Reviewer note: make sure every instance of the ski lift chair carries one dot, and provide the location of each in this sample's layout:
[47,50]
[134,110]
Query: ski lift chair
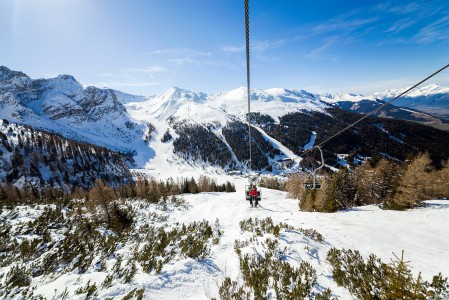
[314,185]
[248,188]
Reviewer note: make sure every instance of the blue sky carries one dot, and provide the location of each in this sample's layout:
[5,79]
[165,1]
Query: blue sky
[146,46]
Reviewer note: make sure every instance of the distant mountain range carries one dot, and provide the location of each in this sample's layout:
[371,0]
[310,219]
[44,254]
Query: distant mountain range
[206,130]
[428,105]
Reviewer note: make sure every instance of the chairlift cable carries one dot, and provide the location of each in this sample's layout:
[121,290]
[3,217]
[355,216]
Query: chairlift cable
[248,79]
[374,111]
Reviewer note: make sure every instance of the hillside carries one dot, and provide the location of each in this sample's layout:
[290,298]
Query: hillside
[32,158]
[207,131]
[121,263]
[62,105]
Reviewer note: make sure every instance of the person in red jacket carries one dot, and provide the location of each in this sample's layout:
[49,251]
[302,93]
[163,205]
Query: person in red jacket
[253,193]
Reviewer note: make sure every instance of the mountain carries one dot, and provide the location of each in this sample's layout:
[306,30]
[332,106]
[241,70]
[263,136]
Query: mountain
[184,130]
[210,129]
[433,99]
[364,104]
[64,106]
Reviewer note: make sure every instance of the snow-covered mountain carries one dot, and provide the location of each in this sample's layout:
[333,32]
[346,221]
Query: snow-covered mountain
[433,99]
[64,106]
[205,130]
[222,107]
[425,102]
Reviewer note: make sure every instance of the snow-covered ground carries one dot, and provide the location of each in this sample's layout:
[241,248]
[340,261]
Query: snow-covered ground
[421,233]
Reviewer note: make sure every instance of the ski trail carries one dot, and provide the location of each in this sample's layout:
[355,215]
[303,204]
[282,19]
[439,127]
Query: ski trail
[310,144]
[277,145]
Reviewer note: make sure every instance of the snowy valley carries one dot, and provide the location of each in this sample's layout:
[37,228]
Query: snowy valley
[106,195]
[115,265]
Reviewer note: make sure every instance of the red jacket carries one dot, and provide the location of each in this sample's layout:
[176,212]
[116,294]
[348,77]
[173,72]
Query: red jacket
[253,193]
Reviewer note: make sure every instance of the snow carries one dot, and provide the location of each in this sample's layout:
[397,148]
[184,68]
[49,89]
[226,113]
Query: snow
[277,145]
[431,89]
[222,107]
[334,98]
[421,233]
[310,144]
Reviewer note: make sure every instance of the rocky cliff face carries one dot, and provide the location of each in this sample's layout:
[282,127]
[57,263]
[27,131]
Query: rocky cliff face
[63,105]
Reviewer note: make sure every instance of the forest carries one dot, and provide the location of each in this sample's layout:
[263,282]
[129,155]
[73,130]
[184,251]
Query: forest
[390,184]
[38,159]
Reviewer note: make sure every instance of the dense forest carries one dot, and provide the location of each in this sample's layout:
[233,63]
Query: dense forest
[373,137]
[34,158]
[236,134]
[196,142]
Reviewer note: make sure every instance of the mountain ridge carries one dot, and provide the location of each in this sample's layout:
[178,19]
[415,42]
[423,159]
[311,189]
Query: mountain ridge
[205,130]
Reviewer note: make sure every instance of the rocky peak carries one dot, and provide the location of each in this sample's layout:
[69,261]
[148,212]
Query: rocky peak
[7,74]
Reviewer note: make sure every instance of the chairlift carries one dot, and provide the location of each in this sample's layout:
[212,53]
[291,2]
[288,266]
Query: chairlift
[253,181]
[314,185]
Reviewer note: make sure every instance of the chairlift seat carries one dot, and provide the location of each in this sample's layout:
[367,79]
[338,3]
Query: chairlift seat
[248,197]
[311,186]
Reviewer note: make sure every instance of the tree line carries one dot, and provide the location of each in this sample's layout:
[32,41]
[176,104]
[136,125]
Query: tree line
[388,183]
[42,159]
[148,189]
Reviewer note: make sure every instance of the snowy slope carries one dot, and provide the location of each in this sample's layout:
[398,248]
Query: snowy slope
[62,105]
[119,121]
[420,232]
[221,107]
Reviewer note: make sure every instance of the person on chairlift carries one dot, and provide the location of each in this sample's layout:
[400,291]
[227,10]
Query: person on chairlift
[253,193]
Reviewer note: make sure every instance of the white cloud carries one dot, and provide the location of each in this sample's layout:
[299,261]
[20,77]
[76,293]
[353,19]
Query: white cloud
[151,69]
[176,52]
[261,46]
[401,25]
[184,61]
[233,49]
[436,31]
[320,52]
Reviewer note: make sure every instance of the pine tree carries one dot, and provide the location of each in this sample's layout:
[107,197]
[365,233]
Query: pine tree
[193,187]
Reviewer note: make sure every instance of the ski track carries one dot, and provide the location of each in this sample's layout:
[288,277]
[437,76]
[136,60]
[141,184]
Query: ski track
[419,232]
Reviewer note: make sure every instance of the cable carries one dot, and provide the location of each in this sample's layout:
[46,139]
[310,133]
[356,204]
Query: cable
[375,110]
[248,79]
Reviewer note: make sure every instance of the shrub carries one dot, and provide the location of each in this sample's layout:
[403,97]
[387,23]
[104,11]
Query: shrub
[121,217]
[231,290]
[18,276]
[267,271]
[373,279]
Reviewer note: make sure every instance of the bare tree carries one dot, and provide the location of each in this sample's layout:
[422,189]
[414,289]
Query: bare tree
[101,197]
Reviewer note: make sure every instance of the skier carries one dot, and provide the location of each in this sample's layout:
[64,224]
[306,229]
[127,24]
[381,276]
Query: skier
[253,194]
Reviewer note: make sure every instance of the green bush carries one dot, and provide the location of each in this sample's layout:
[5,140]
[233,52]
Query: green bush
[266,272]
[18,276]
[373,279]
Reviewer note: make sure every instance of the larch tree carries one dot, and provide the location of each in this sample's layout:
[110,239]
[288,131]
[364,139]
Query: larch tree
[416,183]
[101,197]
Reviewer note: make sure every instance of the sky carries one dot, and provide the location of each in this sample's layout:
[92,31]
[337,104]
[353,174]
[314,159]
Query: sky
[145,47]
